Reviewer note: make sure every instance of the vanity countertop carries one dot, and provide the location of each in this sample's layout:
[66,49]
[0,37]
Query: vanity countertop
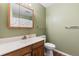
[11,46]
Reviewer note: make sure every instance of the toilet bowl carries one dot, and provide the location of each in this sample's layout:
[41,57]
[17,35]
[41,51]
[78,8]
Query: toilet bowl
[49,47]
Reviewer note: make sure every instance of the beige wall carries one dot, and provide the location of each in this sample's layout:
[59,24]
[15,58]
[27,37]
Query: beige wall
[57,17]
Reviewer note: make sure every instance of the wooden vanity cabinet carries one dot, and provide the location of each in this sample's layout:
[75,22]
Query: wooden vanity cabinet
[36,49]
[20,52]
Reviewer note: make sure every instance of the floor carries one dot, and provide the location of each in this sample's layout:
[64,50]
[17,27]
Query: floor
[55,53]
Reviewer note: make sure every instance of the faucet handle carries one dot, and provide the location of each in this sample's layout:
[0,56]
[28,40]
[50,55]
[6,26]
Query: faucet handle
[24,37]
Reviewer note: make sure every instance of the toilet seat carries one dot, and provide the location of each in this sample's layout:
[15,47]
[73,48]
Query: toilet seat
[49,45]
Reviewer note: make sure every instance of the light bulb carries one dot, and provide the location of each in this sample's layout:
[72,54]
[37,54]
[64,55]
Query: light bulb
[30,5]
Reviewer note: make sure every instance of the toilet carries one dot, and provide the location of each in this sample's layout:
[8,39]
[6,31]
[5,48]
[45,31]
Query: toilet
[49,47]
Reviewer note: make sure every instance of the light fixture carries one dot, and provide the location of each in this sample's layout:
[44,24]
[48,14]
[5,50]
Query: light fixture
[30,5]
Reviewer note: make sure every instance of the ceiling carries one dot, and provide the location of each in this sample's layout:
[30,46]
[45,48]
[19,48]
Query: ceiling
[46,4]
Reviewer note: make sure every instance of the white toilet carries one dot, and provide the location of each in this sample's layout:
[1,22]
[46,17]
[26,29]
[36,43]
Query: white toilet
[49,47]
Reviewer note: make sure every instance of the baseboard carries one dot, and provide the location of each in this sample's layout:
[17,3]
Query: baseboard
[60,53]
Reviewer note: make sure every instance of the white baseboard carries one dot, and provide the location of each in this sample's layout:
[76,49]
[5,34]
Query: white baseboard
[63,53]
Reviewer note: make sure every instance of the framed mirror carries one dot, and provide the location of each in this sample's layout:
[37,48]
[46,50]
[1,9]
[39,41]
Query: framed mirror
[20,16]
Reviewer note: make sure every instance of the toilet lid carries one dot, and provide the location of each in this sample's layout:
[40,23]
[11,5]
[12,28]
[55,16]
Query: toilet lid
[50,44]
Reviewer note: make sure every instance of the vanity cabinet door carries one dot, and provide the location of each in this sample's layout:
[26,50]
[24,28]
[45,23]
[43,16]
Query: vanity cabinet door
[38,49]
[28,54]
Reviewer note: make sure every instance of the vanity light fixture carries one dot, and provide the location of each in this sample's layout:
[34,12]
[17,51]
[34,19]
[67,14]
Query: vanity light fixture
[29,4]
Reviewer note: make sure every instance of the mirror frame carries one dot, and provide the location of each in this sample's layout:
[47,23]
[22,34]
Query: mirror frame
[9,17]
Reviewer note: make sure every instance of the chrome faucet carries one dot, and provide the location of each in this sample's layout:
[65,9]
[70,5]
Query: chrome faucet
[24,37]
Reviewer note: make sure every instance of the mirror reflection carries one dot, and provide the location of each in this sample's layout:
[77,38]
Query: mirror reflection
[20,16]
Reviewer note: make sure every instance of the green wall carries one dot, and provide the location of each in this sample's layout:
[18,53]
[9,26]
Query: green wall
[57,18]
[39,22]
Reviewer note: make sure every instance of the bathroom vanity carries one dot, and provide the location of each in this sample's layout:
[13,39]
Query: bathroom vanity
[28,47]
[36,49]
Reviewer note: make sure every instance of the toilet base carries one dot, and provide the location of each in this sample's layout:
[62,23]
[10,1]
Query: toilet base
[49,53]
